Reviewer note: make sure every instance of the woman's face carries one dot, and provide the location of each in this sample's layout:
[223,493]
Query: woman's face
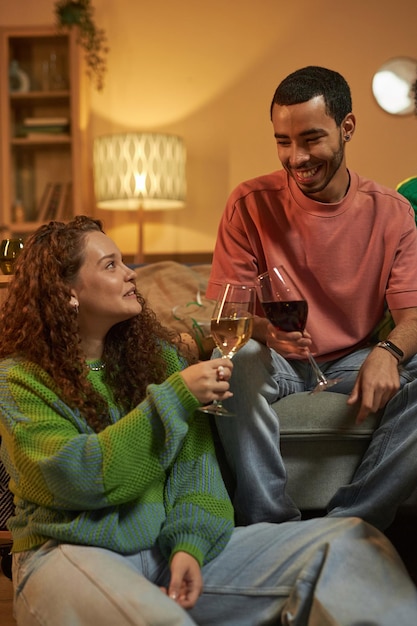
[104,288]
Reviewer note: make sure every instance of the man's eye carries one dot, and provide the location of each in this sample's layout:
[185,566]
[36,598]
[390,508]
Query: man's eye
[110,265]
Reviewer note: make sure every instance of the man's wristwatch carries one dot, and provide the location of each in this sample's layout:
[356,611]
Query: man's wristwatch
[392,349]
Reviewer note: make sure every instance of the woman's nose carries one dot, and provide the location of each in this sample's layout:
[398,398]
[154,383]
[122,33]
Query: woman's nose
[130,273]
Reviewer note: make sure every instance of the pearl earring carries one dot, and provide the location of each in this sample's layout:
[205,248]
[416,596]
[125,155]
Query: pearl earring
[74,304]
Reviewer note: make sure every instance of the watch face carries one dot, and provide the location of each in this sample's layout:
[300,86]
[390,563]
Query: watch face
[393,347]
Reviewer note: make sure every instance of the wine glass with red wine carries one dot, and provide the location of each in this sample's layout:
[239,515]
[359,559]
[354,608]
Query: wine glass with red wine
[287,309]
[231,327]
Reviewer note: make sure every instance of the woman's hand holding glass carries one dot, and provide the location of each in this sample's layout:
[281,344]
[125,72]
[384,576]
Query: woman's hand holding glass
[208,380]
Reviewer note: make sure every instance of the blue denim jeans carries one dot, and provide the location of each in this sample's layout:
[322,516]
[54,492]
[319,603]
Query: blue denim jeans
[324,572]
[386,476]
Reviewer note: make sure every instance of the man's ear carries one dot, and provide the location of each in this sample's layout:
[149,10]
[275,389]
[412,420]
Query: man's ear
[348,126]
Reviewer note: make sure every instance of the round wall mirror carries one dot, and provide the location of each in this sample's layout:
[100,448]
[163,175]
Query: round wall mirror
[393,84]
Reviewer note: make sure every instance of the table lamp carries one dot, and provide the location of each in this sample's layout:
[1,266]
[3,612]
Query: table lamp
[139,172]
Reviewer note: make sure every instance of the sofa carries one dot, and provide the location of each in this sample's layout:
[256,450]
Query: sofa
[320,442]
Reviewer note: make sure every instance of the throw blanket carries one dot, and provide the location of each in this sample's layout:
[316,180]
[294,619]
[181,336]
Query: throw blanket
[176,292]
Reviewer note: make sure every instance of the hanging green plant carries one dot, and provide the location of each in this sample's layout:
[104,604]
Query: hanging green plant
[80,14]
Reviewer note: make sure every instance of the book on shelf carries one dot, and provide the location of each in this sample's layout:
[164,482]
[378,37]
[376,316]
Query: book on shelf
[55,203]
[44,202]
[46,121]
[45,136]
[41,127]
[64,208]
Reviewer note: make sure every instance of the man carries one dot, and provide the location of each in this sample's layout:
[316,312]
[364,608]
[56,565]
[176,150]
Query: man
[351,244]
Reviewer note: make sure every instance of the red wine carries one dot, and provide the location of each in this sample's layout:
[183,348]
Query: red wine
[287,316]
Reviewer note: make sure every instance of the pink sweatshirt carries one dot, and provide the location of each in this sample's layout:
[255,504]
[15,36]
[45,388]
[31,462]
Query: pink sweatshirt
[348,257]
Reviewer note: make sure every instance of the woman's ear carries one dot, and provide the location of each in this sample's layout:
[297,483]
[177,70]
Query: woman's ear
[74,300]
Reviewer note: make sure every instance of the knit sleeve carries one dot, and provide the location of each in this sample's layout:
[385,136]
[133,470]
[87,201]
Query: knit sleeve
[199,514]
[47,443]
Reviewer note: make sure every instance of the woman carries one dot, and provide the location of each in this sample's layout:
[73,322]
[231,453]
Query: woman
[121,511]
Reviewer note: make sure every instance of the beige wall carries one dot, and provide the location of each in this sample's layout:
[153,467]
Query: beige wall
[208,72]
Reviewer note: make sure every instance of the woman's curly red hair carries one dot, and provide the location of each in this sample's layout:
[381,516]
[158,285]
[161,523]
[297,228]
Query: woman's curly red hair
[38,323]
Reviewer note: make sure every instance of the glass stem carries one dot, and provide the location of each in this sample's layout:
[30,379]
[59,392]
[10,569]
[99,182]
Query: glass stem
[218,403]
[319,374]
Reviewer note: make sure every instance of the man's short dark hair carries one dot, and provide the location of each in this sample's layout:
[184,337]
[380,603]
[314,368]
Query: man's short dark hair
[309,82]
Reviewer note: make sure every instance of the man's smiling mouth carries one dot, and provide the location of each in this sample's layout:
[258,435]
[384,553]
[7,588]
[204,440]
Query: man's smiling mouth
[306,174]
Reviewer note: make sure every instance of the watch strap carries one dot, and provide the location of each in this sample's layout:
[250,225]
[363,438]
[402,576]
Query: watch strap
[392,349]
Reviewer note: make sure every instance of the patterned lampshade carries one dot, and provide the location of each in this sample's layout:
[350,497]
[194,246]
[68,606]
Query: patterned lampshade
[139,170]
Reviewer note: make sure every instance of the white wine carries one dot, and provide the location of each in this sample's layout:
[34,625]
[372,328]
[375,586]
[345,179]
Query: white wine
[231,328]
[231,333]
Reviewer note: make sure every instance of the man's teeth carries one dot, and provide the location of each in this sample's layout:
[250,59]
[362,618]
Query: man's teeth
[307,173]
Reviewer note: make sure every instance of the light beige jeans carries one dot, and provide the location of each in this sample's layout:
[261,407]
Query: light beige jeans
[322,572]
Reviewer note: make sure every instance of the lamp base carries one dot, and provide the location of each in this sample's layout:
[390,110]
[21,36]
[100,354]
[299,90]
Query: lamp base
[139,256]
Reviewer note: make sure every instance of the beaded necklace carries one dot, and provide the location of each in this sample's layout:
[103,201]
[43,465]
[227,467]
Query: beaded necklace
[97,368]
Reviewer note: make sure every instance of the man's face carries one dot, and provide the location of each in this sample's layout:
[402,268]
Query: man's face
[311,148]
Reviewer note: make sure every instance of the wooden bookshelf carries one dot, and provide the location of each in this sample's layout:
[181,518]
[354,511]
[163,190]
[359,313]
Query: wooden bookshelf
[30,159]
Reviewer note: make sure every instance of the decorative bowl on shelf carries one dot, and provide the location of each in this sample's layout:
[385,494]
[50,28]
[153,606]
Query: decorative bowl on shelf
[9,251]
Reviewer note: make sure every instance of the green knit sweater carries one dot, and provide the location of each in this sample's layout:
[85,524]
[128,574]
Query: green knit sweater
[151,477]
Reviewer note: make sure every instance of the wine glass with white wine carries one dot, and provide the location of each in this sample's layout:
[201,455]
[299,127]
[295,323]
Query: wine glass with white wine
[287,310]
[231,327]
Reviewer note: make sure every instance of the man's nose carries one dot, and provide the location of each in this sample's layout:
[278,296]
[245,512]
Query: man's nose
[299,156]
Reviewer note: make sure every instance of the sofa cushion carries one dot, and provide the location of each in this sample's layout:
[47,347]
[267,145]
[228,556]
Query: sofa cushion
[321,445]
[323,415]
